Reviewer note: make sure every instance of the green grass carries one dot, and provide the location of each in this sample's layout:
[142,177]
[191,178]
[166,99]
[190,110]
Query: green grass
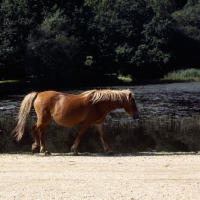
[125,78]
[184,75]
[9,81]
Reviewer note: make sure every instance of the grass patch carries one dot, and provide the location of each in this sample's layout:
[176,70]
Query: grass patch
[184,75]
[125,78]
[9,81]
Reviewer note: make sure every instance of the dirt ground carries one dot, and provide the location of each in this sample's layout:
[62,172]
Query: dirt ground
[133,177]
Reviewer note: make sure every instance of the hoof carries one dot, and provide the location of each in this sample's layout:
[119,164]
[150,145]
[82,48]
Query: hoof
[72,154]
[110,153]
[75,153]
[35,150]
[47,153]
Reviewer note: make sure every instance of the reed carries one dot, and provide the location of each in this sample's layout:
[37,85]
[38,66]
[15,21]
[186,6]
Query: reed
[160,133]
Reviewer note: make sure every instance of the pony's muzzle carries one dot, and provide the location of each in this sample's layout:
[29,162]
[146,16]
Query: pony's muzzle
[135,116]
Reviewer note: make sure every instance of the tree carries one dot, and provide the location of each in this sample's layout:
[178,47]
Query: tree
[187,35]
[17,18]
[153,55]
[115,32]
[52,48]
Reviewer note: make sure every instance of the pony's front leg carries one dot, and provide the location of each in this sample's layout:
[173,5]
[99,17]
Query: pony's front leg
[103,139]
[81,132]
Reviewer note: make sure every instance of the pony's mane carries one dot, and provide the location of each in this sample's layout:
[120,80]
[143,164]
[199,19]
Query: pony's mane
[108,95]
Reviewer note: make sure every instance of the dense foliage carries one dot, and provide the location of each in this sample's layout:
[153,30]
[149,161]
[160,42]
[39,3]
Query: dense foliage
[82,41]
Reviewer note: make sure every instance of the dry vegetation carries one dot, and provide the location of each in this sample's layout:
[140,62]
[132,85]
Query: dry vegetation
[151,134]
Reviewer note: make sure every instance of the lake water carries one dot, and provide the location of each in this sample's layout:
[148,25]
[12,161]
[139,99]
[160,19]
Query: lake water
[176,99]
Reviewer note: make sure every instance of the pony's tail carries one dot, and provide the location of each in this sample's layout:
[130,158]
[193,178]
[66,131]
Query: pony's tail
[23,114]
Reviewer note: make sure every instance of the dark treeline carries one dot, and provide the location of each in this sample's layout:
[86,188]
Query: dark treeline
[85,41]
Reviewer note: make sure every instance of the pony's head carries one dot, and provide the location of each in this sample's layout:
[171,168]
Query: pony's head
[123,98]
[130,105]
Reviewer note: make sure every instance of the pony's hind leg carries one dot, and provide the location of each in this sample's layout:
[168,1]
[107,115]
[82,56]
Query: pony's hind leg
[36,144]
[39,132]
[103,139]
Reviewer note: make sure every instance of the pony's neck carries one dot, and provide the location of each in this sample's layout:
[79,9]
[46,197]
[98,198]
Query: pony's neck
[112,105]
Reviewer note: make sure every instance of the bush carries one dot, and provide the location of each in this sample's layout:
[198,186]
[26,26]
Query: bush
[186,74]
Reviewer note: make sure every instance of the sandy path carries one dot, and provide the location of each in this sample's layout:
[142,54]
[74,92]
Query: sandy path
[98,177]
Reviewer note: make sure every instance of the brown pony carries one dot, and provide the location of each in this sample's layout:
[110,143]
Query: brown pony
[90,107]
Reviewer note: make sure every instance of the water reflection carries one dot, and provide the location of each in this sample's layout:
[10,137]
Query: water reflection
[177,99]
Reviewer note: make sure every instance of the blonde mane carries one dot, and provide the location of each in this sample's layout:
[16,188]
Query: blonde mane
[108,95]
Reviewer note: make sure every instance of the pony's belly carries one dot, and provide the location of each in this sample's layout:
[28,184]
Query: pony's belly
[68,122]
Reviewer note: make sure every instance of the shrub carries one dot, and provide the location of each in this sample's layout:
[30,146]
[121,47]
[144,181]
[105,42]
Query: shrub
[186,74]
